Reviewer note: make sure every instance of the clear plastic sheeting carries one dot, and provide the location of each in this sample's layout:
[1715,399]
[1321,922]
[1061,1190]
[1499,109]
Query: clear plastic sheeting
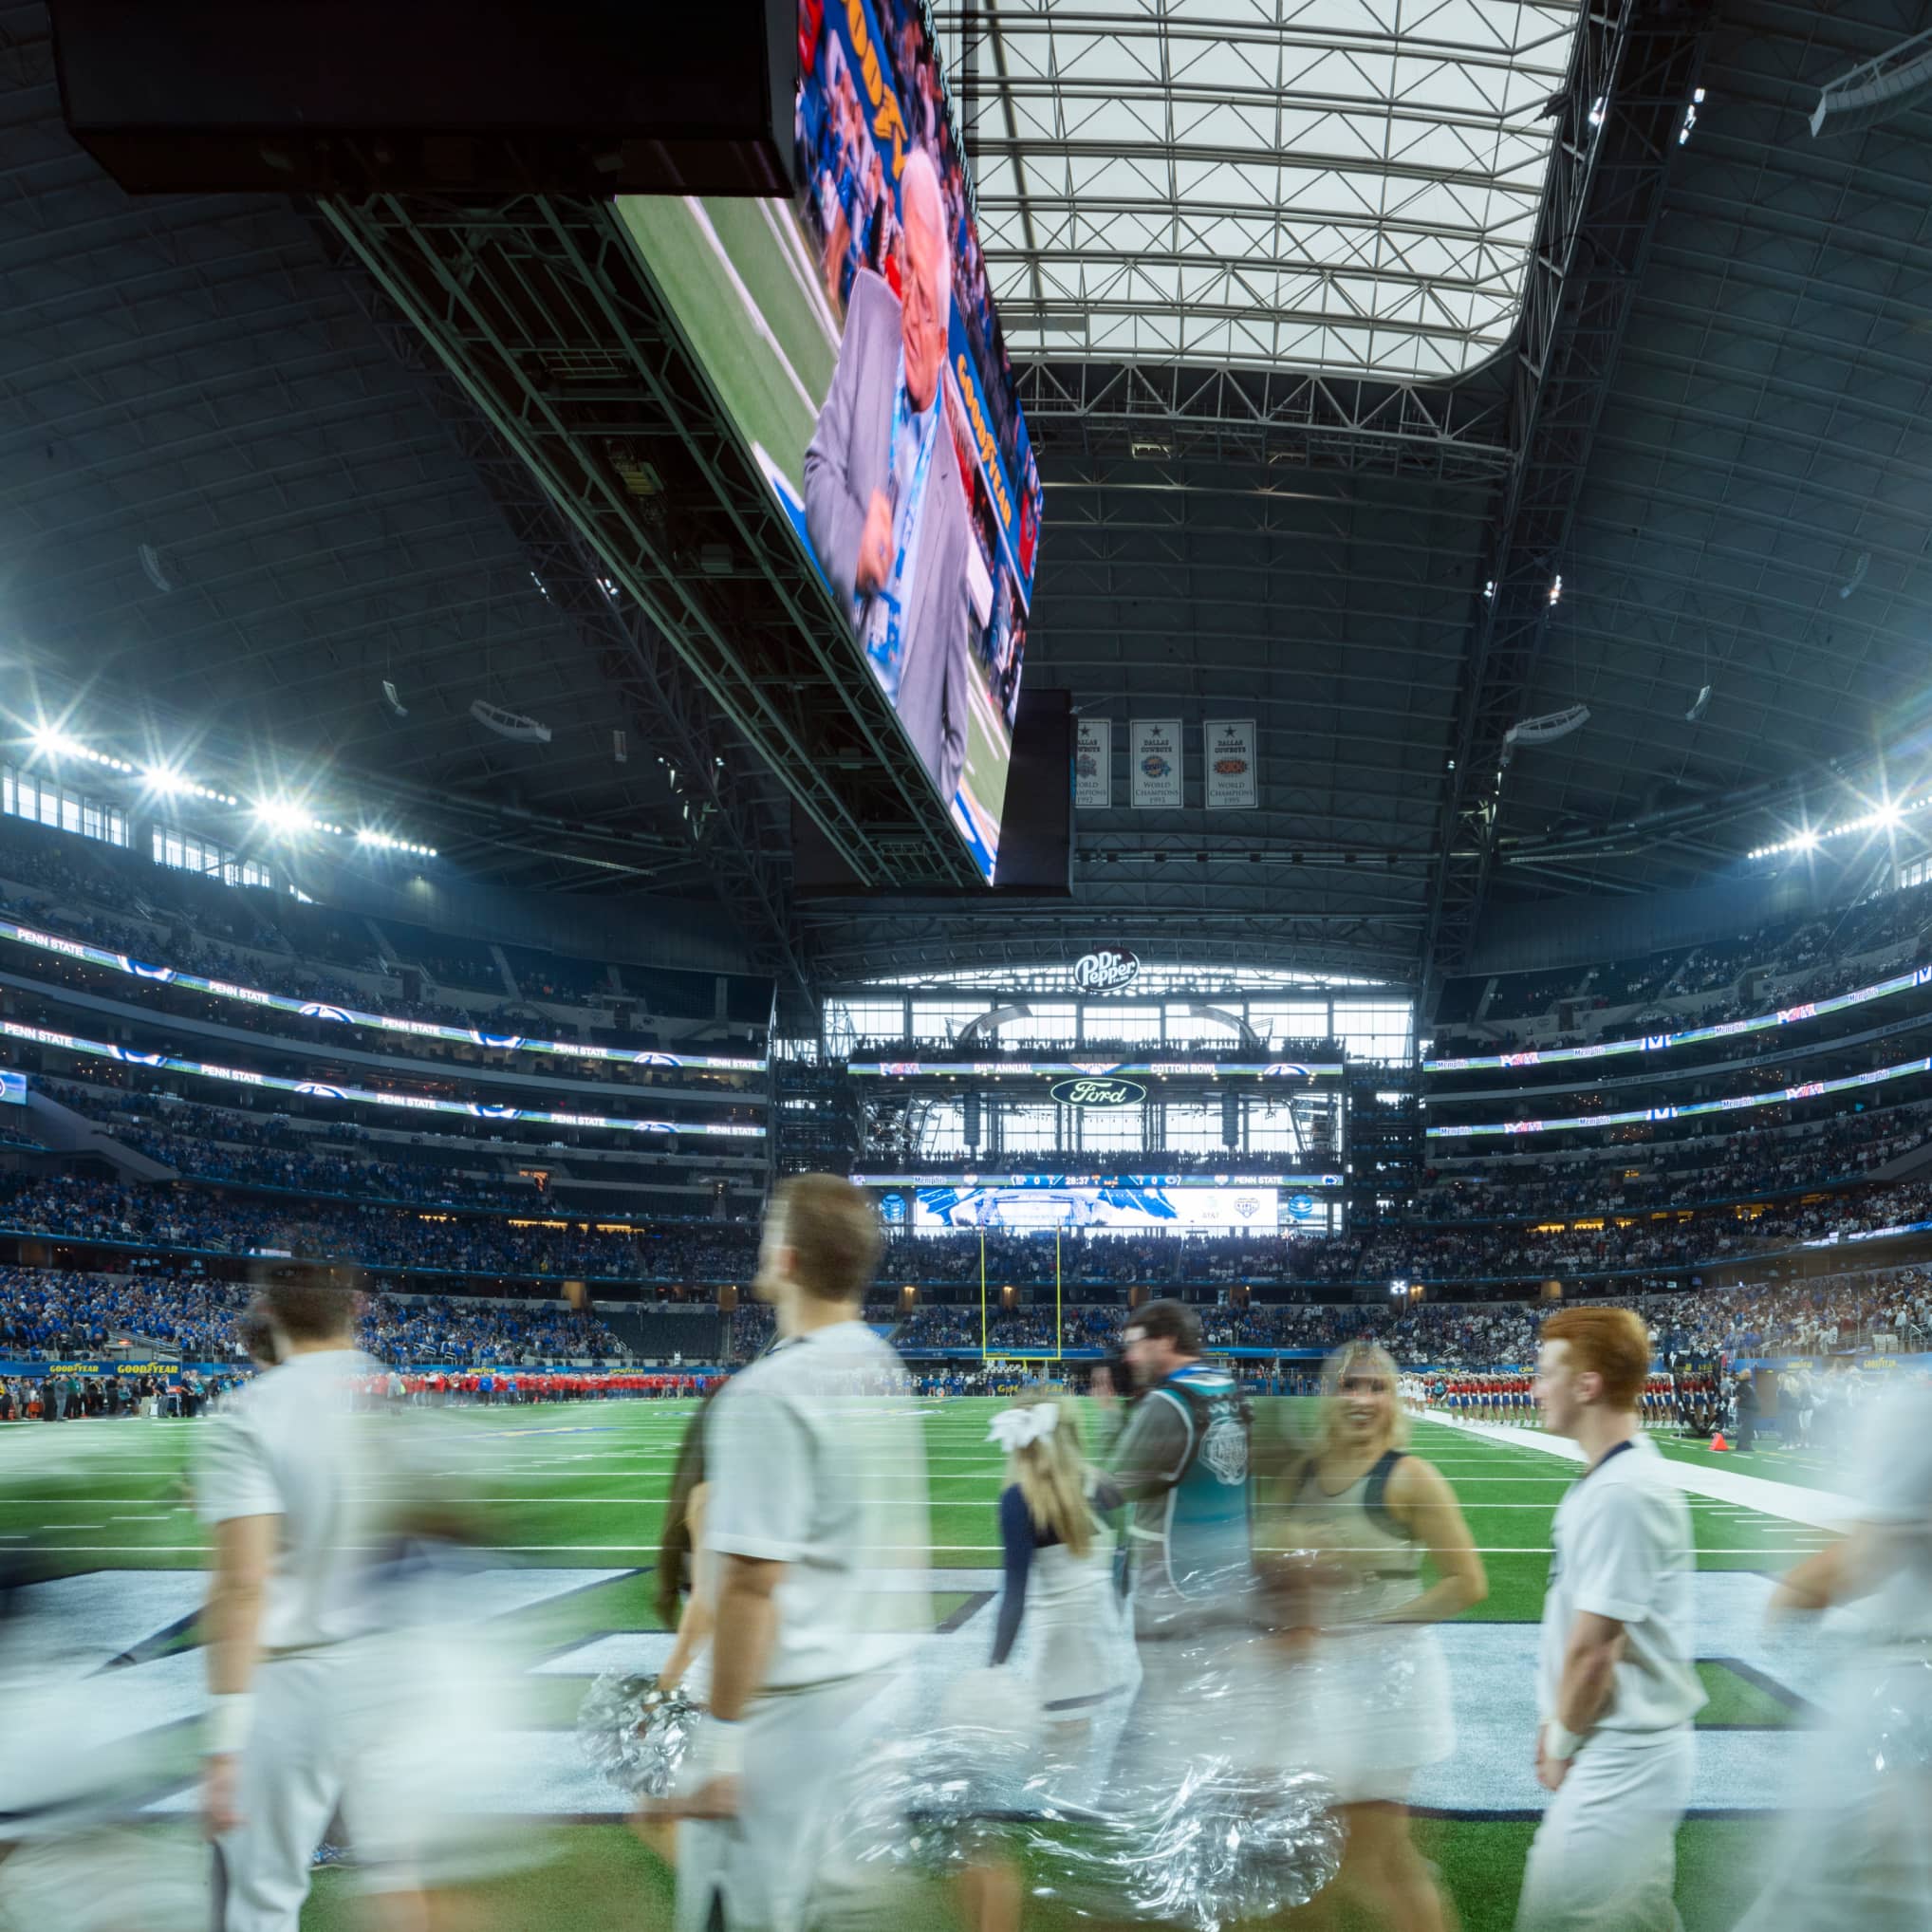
[1341,185]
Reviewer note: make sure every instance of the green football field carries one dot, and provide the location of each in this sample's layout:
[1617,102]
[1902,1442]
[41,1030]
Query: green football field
[577,1497]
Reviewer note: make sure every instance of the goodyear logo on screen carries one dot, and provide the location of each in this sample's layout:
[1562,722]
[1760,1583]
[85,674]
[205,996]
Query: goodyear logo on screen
[88,1368]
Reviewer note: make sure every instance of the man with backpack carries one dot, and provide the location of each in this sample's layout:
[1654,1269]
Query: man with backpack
[1183,1467]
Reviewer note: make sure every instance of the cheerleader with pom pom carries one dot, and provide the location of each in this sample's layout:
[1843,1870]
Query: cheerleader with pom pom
[1060,1587]
[1375,1694]
[684,1594]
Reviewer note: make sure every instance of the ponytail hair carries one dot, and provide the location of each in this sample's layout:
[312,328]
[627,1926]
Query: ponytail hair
[675,1552]
[1053,1478]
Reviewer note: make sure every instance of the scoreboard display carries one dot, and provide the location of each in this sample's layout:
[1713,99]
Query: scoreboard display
[1124,1209]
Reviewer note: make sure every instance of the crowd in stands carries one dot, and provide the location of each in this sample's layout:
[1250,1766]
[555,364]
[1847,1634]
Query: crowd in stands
[1841,1042]
[1783,1078]
[438,1328]
[1714,1166]
[220,1143]
[753,1327]
[394,1239]
[1802,960]
[398,1240]
[49,1314]
[52,1315]
[945,1326]
[1692,1330]
[250,936]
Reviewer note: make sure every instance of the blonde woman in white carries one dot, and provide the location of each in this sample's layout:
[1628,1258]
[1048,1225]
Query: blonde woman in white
[1059,1588]
[1379,1688]
[1059,1580]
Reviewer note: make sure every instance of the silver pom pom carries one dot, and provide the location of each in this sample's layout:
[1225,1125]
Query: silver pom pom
[634,1734]
[924,1803]
[1225,1845]
[1222,1845]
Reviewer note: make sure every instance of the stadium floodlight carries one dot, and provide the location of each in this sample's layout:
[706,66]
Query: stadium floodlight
[1806,841]
[383,842]
[285,818]
[167,781]
[280,817]
[52,742]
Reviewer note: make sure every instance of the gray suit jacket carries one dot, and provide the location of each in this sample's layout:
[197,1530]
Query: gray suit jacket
[849,459]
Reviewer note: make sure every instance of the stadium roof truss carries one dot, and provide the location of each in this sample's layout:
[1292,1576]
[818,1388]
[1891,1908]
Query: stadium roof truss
[1349,186]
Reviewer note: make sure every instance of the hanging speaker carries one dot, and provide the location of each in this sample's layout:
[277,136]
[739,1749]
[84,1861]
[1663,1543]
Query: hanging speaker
[508,724]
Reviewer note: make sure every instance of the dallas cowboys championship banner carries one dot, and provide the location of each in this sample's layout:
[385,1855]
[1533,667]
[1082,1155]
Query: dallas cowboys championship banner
[1154,757]
[1228,745]
[1093,764]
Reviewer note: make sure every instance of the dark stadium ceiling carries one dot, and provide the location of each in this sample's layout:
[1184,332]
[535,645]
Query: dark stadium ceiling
[1263,497]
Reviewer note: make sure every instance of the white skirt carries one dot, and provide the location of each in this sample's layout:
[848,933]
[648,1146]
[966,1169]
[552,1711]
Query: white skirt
[1375,1701]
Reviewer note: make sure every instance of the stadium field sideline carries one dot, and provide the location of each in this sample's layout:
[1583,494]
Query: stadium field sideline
[581,1516]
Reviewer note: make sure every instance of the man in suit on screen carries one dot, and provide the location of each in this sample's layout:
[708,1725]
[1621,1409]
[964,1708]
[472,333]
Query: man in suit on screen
[885,503]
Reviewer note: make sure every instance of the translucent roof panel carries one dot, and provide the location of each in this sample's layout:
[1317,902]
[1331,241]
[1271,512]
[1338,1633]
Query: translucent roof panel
[1343,185]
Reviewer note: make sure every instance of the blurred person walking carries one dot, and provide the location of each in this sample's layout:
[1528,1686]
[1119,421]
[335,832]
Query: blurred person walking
[1616,1692]
[1059,1584]
[1183,1467]
[1378,1686]
[1858,1854]
[285,1488]
[815,1518]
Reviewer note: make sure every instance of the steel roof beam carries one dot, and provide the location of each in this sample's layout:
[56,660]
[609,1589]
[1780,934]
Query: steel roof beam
[519,299]
[1632,74]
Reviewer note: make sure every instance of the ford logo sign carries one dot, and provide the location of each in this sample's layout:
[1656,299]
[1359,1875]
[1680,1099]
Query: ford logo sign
[1105,971]
[1088,1091]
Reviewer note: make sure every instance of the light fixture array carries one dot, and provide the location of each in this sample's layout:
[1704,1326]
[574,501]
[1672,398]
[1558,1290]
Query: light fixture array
[1886,818]
[280,815]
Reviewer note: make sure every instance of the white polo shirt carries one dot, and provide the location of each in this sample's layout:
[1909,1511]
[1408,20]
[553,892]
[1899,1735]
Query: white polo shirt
[292,1446]
[1622,1549]
[1894,1486]
[815,1459]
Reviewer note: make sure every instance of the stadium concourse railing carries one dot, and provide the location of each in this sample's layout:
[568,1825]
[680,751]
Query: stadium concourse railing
[260,1001]
[1657,1043]
[535,1213]
[12,1237]
[1803,1090]
[368,1096]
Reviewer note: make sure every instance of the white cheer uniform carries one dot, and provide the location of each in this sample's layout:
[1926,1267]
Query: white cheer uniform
[1605,1857]
[1858,1855]
[814,1459]
[1377,1693]
[293,1448]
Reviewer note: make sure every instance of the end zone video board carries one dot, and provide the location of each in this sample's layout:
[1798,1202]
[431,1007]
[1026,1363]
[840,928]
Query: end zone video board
[1143,1210]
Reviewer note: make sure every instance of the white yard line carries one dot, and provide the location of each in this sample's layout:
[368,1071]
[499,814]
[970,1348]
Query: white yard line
[1821,1509]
